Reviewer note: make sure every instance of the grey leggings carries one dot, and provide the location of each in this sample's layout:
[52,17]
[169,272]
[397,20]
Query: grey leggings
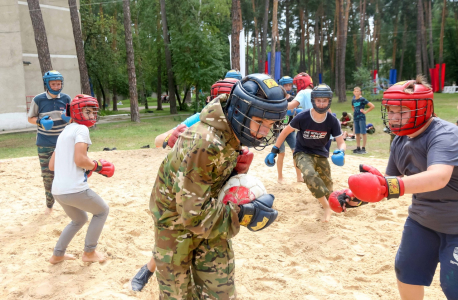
[76,205]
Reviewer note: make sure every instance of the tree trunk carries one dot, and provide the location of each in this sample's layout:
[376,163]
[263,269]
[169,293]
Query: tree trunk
[256,40]
[84,77]
[362,25]
[178,97]
[264,34]
[343,32]
[287,48]
[377,40]
[41,40]
[134,114]
[274,37]
[159,62]
[441,45]
[430,29]
[404,41]
[302,67]
[316,49]
[395,42]
[115,99]
[338,45]
[418,45]
[235,35]
[168,59]
[423,44]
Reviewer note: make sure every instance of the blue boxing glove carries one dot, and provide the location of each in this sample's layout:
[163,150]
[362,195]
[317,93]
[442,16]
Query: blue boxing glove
[291,112]
[46,123]
[258,214]
[299,110]
[270,158]
[338,158]
[64,116]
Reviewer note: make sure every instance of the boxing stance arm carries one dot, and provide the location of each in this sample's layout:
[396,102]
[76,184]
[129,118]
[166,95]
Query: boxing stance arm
[81,159]
[282,137]
[433,179]
[160,138]
[293,104]
[341,143]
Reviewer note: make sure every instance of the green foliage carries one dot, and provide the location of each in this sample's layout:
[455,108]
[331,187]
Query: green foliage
[361,76]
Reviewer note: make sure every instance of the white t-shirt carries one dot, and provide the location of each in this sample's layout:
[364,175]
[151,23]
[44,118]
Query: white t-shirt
[68,177]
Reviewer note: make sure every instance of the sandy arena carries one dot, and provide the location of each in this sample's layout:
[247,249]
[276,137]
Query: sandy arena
[297,257]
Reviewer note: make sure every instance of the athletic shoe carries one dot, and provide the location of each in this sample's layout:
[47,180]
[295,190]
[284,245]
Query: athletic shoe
[141,279]
[356,151]
[362,151]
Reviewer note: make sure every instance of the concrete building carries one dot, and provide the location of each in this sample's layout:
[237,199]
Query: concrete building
[20,74]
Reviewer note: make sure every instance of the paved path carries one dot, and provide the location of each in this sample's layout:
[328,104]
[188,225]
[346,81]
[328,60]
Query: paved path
[103,120]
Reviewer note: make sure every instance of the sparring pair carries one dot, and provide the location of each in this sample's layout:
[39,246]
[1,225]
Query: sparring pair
[70,188]
[46,111]
[193,248]
[423,162]
[315,127]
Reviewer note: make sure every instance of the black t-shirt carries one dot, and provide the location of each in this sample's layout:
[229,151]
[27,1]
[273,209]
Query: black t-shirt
[313,136]
[438,144]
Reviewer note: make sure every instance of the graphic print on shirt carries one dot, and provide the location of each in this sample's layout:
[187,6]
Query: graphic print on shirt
[314,135]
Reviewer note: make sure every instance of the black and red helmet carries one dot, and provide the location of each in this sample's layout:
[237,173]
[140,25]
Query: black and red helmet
[76,109]
[302,81]
[415,95]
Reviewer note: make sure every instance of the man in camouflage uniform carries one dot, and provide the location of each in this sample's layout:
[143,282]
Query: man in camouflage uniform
[193,251]
[315,127]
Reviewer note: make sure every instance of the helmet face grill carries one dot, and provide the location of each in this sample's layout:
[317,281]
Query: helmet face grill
[403,123]
[84,110]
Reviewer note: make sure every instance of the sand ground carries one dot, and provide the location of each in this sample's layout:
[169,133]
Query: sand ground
[297,257]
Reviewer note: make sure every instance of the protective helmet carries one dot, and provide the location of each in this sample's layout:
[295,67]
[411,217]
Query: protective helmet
[50,76]
[321,91]
[302,81]
[414,94]
[257,95]
[76,109]
[285,80]
[222,87]
[233,74]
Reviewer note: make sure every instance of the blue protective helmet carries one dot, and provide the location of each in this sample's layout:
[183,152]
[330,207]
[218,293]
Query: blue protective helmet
[50,76]
[257,95]
[233,74]
[285,80]
[321,91]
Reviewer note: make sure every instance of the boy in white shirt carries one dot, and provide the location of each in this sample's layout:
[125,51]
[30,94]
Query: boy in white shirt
[72,167]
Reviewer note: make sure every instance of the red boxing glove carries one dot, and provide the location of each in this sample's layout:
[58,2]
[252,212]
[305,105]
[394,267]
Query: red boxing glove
[102,167]
[172,138]
[371,186]
[244,161]
[338,200]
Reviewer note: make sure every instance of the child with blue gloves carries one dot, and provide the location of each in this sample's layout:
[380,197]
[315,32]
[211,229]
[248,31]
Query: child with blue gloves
[315,127]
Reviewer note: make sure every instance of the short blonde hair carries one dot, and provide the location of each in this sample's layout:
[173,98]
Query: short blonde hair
[357,88]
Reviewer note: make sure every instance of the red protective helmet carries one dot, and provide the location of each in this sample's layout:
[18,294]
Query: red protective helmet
[415,95]
[76,109]
[302,81]
[222,87]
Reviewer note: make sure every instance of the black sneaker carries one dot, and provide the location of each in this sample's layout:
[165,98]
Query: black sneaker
[357,150]
[141,279]
[362,151]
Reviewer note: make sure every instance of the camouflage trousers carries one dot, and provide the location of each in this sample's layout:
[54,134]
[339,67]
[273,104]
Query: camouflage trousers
[192,268]
[44,154]
[316,172]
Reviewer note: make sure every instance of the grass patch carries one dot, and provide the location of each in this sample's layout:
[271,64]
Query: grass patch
[127,135]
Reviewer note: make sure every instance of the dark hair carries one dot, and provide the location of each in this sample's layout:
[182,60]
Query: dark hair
[344,113]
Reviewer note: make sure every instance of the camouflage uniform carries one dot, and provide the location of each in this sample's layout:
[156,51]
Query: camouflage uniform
[44,154]
[316,172]
[193,251]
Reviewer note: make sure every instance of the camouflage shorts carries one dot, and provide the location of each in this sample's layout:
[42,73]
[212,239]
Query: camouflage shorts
[191,268]
[44,154]
[316,172]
